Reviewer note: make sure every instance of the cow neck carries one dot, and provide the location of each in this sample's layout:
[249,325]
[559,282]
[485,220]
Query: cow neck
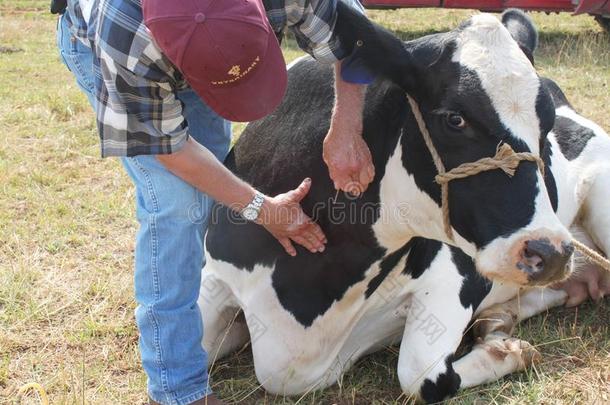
[505,158]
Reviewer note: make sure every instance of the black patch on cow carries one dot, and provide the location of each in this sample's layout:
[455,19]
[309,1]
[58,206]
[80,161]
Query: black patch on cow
[474,286]
[559,98]
[545,110]
[549,178]
[308,284]
[571,137]
[421,255]
[446,385]
[386,266]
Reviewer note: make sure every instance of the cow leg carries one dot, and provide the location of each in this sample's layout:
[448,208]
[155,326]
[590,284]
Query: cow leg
[595,216]
[435,321]
[224,329]
[497,354]
[426,366]
[595,221]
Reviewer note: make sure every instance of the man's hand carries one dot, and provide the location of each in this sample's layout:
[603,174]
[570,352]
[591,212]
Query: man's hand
[284,218]
[347,156]
[349,160]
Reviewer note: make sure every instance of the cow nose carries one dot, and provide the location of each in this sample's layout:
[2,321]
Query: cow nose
[543,263]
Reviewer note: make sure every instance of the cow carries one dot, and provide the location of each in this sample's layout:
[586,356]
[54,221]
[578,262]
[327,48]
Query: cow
[576,180]
[390,274]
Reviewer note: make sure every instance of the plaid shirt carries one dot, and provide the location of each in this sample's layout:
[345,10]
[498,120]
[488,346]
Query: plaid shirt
[138,112]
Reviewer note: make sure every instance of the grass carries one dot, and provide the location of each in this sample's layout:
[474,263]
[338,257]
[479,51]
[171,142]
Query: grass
[67,238]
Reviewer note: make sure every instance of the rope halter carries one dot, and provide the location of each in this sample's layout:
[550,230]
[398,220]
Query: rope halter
[506,159]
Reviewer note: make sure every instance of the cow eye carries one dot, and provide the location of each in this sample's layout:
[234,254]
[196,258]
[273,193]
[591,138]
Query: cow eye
[456,121]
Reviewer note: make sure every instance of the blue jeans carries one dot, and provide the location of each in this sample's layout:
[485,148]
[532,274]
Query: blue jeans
[173,216]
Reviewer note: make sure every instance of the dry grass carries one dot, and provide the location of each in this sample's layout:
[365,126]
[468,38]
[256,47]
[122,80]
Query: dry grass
[67,231]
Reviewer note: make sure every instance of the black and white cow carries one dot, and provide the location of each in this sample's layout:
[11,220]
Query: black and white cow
[379,282]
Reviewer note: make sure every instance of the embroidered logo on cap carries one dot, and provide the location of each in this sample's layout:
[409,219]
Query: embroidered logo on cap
[235,70]
[237,73]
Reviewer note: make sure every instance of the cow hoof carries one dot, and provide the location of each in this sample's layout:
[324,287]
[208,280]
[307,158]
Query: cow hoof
[521,352]
[494,319]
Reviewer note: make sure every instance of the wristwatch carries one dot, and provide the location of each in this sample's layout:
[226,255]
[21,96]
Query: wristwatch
[252,210]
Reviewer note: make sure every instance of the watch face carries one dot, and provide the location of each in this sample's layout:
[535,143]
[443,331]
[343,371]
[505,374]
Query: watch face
[250,214]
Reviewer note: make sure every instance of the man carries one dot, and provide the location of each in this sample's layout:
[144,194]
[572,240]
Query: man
[145,67]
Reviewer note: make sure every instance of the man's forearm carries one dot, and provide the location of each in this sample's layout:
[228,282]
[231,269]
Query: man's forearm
[345,152]
[199,167]
[349,104]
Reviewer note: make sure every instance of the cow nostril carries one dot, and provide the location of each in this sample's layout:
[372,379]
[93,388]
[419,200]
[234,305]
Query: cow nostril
[532,261]
[542,262]
[568,248]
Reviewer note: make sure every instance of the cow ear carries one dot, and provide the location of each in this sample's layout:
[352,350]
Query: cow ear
[380,51]
[523,30]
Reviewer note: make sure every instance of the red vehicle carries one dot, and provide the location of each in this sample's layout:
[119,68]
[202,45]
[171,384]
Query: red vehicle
[598,8]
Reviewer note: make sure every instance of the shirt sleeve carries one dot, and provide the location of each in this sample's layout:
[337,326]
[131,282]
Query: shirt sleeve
[313,23]
[138,112]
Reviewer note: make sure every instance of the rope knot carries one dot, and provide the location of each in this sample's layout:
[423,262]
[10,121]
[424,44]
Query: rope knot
[505,159]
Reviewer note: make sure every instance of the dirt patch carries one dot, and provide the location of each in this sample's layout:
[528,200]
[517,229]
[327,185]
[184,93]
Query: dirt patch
[8,49]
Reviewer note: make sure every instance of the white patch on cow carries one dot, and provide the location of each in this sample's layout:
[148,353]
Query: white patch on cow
[507,76]
[435,320]
[406,211]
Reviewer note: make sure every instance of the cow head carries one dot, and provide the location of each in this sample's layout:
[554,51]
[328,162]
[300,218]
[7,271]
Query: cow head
[476,88]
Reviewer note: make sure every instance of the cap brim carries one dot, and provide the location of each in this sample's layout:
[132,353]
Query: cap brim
[256,96]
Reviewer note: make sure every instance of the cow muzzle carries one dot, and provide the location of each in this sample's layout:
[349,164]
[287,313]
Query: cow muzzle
[543,263]
[533,258]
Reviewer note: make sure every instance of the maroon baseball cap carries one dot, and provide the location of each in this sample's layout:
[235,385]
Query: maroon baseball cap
[225,49]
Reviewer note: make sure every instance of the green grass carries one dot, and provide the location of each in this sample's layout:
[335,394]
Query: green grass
[67,237]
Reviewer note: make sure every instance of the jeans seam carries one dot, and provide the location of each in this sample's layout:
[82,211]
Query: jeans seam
[86,83]
[155,269]
[195,396]
[149,185]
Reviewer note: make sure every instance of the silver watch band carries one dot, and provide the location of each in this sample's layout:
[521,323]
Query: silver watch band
[252,210]
[258,200]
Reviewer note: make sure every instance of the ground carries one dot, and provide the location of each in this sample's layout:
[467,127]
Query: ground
[67,229]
